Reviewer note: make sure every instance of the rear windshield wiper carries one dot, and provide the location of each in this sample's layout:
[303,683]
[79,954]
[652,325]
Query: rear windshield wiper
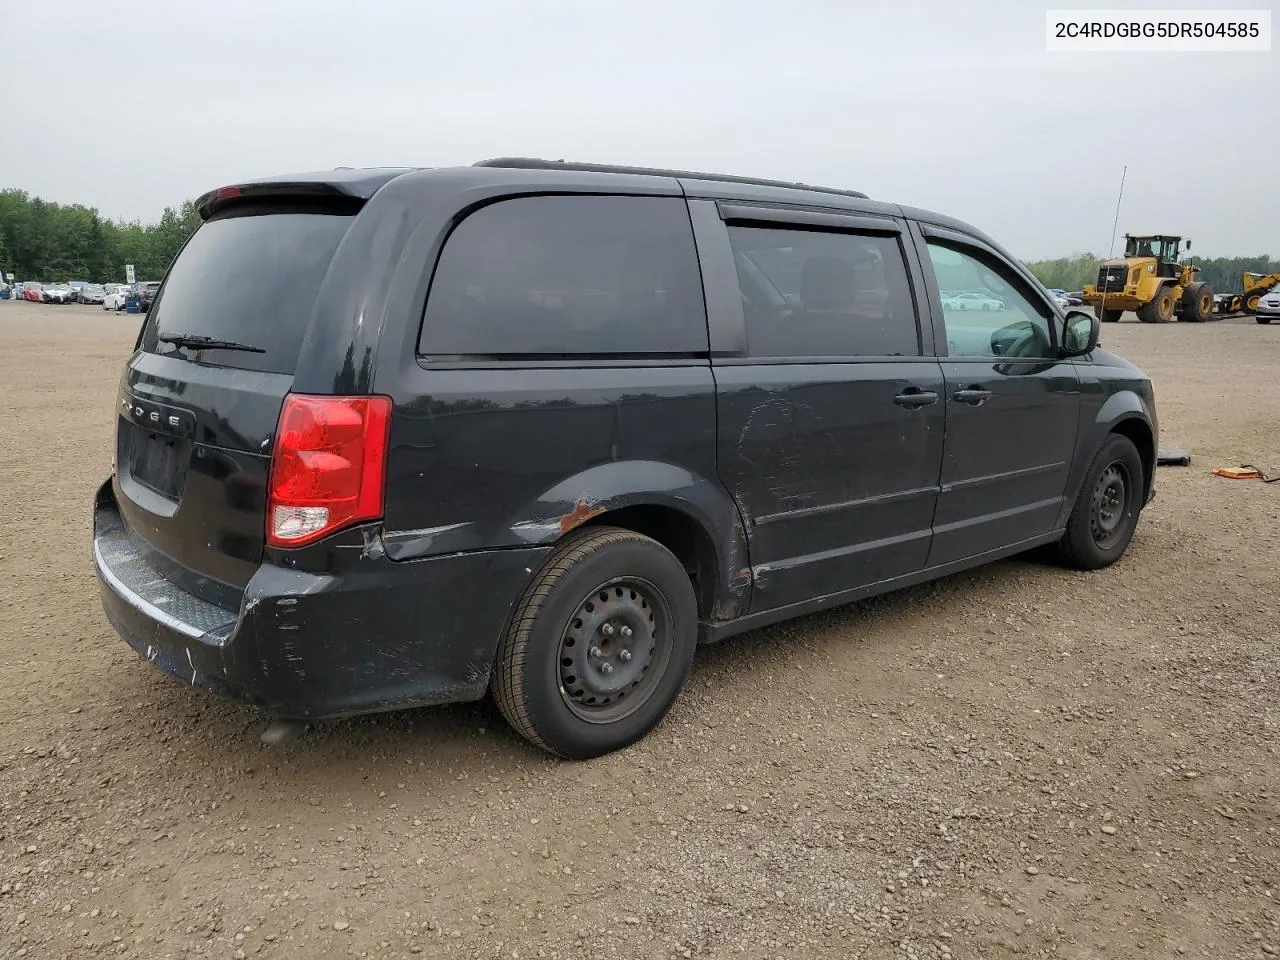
[200,342]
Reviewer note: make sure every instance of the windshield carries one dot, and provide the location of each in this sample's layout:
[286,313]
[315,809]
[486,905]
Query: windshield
[1159,247]
[252,279]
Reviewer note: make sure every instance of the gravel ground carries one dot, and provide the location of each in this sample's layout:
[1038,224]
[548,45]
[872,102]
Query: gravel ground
[1019,761]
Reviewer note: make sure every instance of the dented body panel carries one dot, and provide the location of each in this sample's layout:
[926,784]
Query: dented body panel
[364,635]
[837,482]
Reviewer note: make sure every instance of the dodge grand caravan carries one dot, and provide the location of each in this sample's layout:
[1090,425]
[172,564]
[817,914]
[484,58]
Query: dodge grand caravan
[539,428]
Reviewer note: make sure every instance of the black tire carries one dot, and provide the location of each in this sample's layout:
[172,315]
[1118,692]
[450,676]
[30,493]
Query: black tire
[1104,518]
[1108,316]
[1262,319]
[1250,302]
[1159,309]
[558,616]
[1197,303]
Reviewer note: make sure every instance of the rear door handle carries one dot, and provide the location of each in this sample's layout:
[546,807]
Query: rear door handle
[974,396]
[913,398]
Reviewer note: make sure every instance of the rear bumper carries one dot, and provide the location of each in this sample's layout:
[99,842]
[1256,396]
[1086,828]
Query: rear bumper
[381,635]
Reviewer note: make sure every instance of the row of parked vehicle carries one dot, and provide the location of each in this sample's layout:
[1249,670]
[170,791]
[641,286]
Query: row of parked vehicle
[111,296]
[1064,299]
[989,300]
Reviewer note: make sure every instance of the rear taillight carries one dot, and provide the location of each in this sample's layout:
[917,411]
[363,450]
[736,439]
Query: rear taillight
[328,466]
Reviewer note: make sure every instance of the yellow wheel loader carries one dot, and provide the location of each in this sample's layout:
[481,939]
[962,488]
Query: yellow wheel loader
[1255,287]
[1150,280]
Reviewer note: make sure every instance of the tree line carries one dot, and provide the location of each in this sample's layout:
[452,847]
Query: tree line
[1223,274]
[49,242]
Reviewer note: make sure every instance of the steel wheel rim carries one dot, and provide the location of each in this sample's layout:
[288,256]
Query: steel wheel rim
[614,650]
[1110,505]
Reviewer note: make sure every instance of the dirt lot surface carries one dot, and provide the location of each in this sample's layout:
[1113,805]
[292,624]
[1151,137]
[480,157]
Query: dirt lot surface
[1021,761]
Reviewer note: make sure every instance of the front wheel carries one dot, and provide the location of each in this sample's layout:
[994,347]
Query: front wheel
[1159,309]
[1197,303]
[599,646]
[1106,510]
[1262,319]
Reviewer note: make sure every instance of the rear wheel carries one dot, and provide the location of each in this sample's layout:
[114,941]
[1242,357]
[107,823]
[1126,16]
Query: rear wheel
[600,644]
[1106,510]
[1197,303]
[1251,302]
[1108,316]
[1159,309]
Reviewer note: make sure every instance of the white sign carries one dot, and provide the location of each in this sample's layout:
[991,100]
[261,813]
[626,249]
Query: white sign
[128,273]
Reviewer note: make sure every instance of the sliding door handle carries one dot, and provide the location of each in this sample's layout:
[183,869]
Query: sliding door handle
[914,397]
[974,396]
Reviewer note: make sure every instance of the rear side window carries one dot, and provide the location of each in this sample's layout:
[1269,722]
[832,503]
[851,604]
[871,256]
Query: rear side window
[252,279]
[808,293]
[568,276]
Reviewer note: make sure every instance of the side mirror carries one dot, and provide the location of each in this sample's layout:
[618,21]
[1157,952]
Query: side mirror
[1080,333]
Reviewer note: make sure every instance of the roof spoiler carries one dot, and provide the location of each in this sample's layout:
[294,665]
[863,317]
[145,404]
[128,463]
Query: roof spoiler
[343,185]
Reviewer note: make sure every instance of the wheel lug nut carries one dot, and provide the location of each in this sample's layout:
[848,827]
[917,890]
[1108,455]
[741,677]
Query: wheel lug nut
[596,652]
[606,667]
[625,631]
[607,629]
[624,655]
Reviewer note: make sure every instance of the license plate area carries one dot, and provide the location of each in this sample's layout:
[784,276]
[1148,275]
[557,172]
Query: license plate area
[154,460]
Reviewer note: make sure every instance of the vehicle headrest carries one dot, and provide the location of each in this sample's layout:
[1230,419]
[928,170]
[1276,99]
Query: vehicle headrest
[827,283]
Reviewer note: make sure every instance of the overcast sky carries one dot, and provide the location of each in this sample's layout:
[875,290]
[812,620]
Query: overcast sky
[135,104]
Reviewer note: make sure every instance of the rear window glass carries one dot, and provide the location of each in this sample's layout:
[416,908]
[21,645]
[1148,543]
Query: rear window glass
[251,279]
[811,293]
[568,276]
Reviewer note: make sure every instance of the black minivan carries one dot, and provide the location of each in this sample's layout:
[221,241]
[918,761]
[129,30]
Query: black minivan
[540,428]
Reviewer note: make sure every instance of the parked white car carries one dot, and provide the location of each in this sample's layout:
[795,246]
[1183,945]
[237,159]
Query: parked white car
[972,301]
[114,300]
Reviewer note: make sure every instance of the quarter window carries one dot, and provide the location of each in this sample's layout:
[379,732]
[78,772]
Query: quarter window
[984,312]
[563,276]
[809,293]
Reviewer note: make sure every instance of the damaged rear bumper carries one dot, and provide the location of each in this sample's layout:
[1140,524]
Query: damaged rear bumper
[380,636]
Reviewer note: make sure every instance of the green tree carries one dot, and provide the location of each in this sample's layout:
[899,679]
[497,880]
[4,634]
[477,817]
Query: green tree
[50,243]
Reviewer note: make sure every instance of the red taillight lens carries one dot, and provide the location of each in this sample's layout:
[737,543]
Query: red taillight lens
[328,467]
[226,193]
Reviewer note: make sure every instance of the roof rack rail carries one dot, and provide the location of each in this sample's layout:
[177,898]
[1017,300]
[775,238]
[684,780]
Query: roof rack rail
[531,163]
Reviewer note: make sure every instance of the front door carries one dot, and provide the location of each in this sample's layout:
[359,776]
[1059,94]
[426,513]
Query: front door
[830,421]
[1012,407]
